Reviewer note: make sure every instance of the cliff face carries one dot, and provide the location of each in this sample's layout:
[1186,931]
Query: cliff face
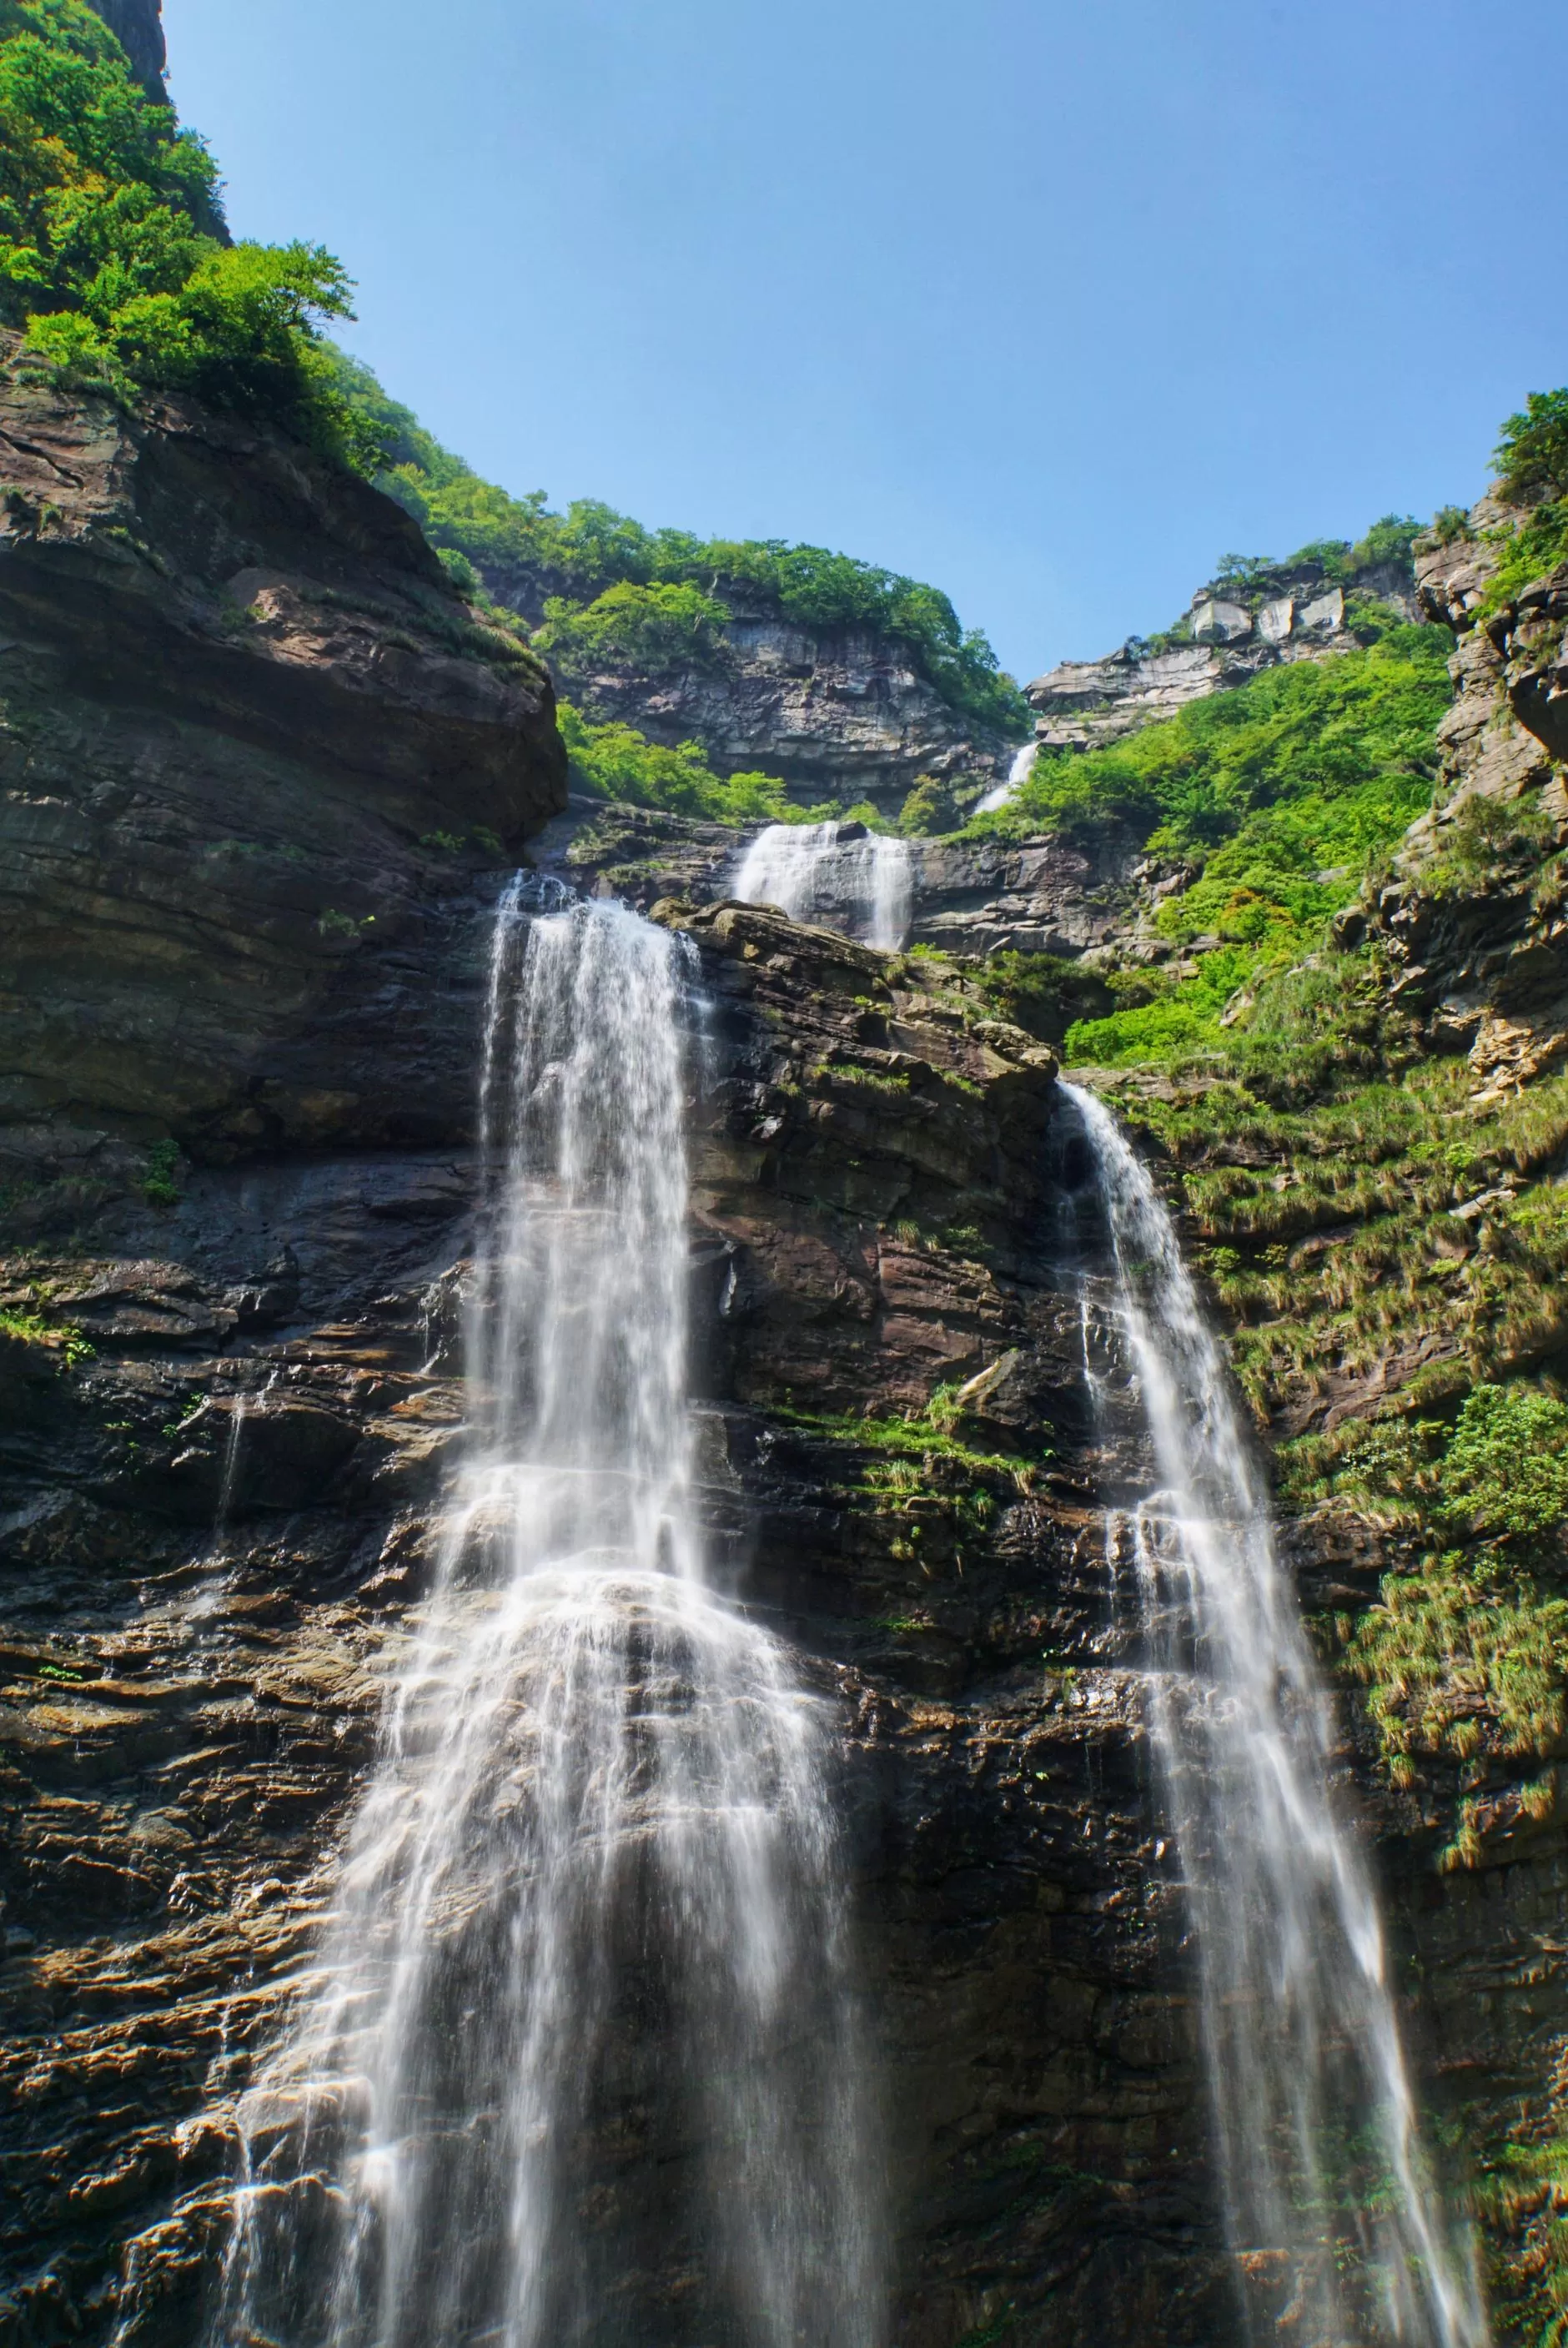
[138,27]
[837,714]
[215,1521]
[1230,635]
[240,695]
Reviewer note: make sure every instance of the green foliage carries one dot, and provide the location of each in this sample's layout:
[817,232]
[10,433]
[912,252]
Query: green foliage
[109,258]
[1467,1653]
[1330,1232]
[158,1186]
[616,762]
[61,1337]
[1532,454]
[1040,992]
[1487,841]
[530,555]
[667,626]
[928,810]
[1275,798]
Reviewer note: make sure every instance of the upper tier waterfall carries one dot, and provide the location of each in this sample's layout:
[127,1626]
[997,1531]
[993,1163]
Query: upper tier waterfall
[1019,774]
[575,2059]
[853,879]
[1320,2150]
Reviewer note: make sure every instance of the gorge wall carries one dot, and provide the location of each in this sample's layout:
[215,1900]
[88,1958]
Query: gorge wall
[264,774]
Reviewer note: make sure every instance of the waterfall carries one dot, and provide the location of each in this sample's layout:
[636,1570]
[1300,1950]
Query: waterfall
[1321,2158]
[857,881]
[575,2059]
[1019,774]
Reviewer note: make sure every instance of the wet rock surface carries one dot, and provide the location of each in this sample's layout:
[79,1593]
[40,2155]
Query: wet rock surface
[216,1521]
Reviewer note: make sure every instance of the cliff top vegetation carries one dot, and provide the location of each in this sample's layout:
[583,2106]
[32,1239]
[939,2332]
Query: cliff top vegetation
[605,583]
[114,260]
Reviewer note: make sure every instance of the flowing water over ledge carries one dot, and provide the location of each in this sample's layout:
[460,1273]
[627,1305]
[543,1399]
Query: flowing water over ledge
[577,2058]
[856,880]
[1331,2205]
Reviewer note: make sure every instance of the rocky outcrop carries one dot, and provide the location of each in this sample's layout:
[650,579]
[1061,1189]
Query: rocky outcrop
[1474,919]
[252,749]
[1053,895]
[1228,635]
[1508,723]
[138,27]
[838,714]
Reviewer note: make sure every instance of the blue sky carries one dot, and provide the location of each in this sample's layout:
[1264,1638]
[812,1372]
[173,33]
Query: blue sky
[1049,301]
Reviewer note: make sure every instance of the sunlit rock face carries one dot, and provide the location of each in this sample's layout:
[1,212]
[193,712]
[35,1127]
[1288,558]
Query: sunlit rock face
[1224,640]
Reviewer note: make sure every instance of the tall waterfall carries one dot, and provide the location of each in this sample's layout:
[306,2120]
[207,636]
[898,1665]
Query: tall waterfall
[1318,2138]
[576,2060]
[854,880]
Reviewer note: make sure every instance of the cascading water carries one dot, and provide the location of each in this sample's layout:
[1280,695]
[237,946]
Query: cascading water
[857,881]
[1320,2150]
[1019,774]
[575,2061]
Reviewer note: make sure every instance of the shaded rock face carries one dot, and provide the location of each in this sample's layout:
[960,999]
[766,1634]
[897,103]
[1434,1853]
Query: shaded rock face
[138,27]
[238,696]
[1228,639]
[836,715]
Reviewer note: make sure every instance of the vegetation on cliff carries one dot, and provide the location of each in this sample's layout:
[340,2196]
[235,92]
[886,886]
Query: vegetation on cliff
[603,583]
[111,256]
[1267,806]
[616,762]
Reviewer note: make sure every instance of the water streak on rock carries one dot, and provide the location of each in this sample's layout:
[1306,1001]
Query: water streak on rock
[1330,2200]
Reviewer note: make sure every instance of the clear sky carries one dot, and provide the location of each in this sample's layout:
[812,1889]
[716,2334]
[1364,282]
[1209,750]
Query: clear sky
[1049,301]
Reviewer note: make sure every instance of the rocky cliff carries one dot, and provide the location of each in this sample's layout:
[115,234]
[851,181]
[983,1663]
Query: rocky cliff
[253,746]
[839,713]
[138,27]
[1232,631]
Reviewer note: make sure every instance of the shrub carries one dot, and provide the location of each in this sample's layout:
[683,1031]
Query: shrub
[663,626]
[616,762]
[111,258]
[1532,454]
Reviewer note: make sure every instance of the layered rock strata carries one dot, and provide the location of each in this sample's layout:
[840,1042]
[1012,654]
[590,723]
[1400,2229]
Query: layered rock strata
[837,714]
[252,747]
[1228,636]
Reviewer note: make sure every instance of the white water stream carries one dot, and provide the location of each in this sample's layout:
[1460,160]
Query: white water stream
[1019,774]
[576,2060]
[864,884]
[1321,2152]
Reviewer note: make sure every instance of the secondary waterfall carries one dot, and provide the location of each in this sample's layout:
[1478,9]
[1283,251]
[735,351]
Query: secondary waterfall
[1019,774]
[857,881]
[1320,2148]
[575,2061]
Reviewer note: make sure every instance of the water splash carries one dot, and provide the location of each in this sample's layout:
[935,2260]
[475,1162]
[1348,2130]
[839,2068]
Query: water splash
[1019,774]
[1321,2153]
[856,880]
[576,2060]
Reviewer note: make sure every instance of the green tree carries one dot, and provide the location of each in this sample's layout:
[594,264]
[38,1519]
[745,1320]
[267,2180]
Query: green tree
[662,626]
[1532,454]
[111,256]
